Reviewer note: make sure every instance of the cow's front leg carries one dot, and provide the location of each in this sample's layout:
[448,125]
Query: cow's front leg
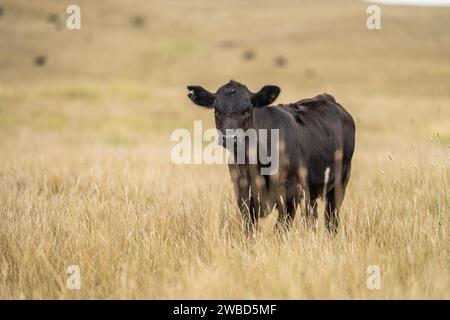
[310,213]
[286,214]
[246,204]
[244,196]
[250,218]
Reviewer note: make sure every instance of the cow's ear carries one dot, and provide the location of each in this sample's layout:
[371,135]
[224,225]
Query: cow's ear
[201,96]
[265,96]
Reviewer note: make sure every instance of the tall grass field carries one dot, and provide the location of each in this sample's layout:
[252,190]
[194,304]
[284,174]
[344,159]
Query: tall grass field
[86,177]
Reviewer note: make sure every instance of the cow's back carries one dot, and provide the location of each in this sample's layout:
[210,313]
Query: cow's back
[328,132]
[317,133]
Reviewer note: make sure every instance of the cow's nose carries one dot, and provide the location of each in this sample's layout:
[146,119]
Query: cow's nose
[230,138]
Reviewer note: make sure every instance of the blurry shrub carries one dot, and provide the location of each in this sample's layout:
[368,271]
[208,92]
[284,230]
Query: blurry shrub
[229,44]
[138,21]
[280,61]
[40,60]
[249,55]
[54,19]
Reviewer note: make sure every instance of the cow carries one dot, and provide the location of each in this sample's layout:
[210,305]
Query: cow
[316,145]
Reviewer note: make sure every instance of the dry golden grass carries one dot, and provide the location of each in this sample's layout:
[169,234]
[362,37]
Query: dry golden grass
[86,177]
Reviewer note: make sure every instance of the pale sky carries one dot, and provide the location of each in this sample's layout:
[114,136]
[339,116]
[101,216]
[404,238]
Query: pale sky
[413,2]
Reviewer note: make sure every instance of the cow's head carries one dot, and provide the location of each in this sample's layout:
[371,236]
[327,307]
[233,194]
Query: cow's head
[233,104]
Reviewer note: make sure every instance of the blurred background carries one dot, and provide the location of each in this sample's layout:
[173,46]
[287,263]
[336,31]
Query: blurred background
[123,76]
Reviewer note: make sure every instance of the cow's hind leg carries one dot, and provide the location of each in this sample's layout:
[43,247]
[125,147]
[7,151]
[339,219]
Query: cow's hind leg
[249,215]
[333,203]
[286,214]
[310,213]
[332,212]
